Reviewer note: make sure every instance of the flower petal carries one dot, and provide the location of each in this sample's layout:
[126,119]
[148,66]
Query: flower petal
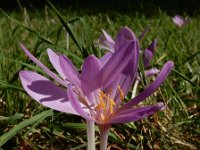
[117,64]
[69,71]
[131,69]
[76,103]
[92,98]
[151,72]
[107,41]
[149,53]
[90,76]
[129,73]
[121,82]
[55,61]
[152,87]
[105,58]
[124,36]
[45,92]
[136,114]
[49,72]
[127,77]
[178,20]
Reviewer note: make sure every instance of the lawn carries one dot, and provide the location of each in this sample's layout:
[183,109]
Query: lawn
[25,124]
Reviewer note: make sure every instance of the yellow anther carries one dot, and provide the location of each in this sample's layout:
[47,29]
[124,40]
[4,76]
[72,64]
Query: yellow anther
[102,94]
[112,104]
[101,105]
[121,92]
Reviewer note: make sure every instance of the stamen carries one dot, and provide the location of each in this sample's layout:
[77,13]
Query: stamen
[106,104]
[121,93]
[112,104]
[102,94]
[82,98]
[101,103]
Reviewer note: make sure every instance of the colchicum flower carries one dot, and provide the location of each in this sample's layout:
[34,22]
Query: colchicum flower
[109,44]
[106,42]
[98,92]
[180,21]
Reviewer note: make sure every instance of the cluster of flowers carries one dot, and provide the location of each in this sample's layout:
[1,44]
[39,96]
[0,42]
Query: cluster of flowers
[98,92]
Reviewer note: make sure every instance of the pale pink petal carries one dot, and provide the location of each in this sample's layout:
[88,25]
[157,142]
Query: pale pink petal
[46,92]
[69,71]
[180,21]
[55,61]
[107,41]
[35,60]
[73,98]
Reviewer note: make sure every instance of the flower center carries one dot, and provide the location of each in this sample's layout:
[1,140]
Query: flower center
[105,107]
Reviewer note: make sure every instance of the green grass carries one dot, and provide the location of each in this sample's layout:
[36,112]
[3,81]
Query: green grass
[175,128]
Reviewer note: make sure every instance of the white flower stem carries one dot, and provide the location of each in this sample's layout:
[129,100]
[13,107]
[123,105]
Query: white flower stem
[135,88]
[104,130]
[91,134]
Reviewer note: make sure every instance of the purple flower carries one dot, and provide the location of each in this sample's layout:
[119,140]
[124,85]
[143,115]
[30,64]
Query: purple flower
[127,112]
[124,36]
[97,93]
[148,54]
[180,21]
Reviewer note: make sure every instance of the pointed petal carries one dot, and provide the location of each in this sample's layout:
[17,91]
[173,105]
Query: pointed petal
[129,74]
[49,72]
[124,36]
[55,61]
[149,53]
[45,92]
[76,103]
[136,114]
[108,37]
[131,70]
[152,87]
[90,76]
[116,64]
[69,71]
[107,41]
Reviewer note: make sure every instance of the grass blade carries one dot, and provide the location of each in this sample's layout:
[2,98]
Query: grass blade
[189,58]
[29,29]
[184,77]
[8,135]
[67,28]
[7,85]
[11,118]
